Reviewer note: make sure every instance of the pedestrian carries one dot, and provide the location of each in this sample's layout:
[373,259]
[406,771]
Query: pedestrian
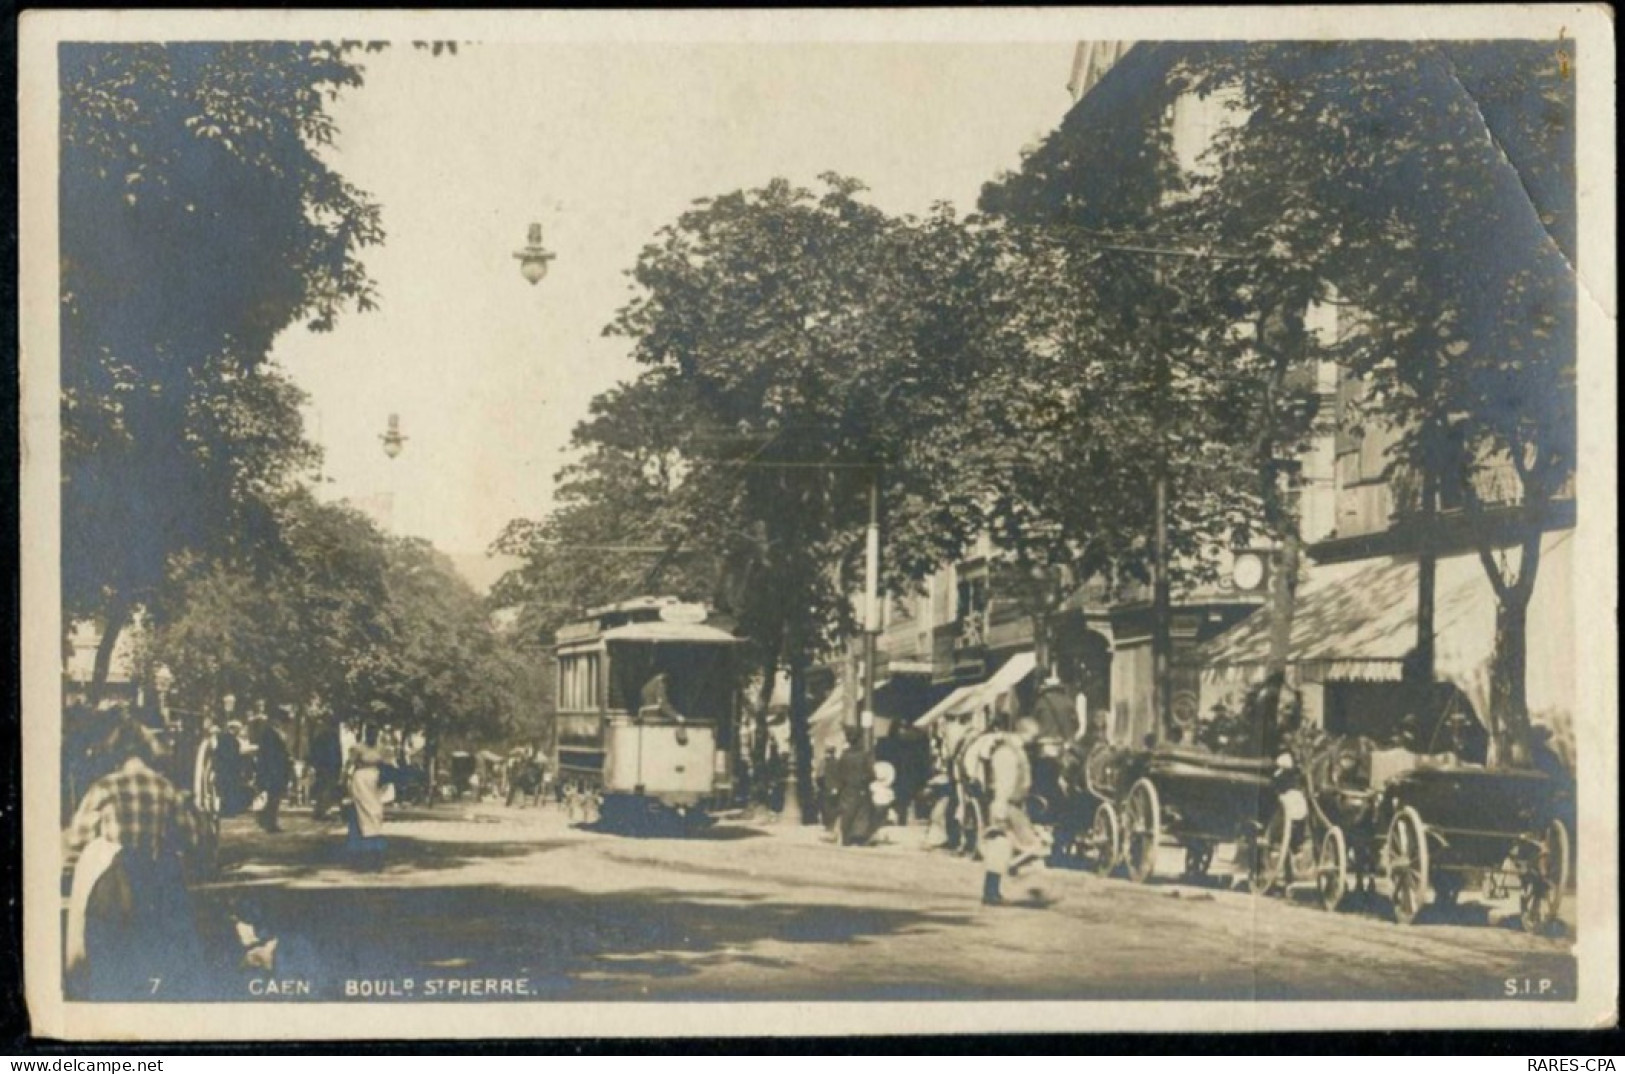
[829,811]
[131,929]
[272,768]
[855,807]
[327,764]
[365,842]
[1080,702]
[1009,840]
[777,778]
[909,755]
[1544,757]
[231,770]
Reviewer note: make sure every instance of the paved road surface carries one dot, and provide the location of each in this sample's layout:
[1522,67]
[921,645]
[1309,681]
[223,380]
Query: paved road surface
[493,895]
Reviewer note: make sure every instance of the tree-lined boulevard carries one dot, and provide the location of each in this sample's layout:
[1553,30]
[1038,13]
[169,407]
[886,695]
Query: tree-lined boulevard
[1107,371]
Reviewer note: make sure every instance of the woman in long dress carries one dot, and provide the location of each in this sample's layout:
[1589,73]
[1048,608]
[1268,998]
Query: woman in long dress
[366,839]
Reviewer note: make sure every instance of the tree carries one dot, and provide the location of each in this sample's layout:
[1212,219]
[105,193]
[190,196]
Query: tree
[445,668]
[1142,362]
[199,218]
[615,532]
[811,344]
[1433,186]
[343,617]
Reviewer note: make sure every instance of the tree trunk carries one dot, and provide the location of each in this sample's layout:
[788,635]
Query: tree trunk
[118,616]
[799,800]
[1427,571]
[1042,657]
[1508,717]
[1509,701]
[761,731]
[1284,333]
[1283,610]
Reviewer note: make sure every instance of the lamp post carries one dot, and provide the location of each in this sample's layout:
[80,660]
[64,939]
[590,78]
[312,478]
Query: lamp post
[871,610]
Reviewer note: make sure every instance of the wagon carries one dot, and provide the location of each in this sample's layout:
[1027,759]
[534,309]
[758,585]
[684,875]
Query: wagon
[1445,825]
[1107,773]
[1431,829]
[1197,799]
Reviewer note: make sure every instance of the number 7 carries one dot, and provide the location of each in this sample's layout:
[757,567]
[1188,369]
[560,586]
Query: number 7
[156,981]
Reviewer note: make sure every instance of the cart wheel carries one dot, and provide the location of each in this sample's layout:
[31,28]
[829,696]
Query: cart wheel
[1332,869]
[972,836]
[1142,830]
[1198,858]
[1544,880]
[205,782]
[1408,864]
[1271,847]
[1105,839]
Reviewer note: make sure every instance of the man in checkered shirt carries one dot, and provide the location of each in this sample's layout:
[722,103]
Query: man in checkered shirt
[135,807]
[138,935]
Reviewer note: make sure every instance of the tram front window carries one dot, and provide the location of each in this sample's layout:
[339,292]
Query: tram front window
[697,680]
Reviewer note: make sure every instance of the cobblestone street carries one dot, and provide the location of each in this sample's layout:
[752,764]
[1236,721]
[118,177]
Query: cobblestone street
[490,902]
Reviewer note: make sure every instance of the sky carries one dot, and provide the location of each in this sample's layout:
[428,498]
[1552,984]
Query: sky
[602,145]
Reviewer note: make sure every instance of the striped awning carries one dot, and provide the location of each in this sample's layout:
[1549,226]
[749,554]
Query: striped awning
[1355,622]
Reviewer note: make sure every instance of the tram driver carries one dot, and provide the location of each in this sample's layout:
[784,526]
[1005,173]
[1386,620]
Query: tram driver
[656,701]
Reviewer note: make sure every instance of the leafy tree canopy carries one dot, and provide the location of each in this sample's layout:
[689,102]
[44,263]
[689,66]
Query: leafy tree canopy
[200,216]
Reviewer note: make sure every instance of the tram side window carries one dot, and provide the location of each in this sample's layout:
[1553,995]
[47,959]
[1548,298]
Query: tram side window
[580,688]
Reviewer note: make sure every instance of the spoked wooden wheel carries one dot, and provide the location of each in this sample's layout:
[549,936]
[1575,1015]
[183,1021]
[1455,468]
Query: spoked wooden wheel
[1270,851]
[1408,864]
[1142,830]
[1544,880]
[1104,843]
[1198,858]
[1332,869]
[206,800]
[972,825]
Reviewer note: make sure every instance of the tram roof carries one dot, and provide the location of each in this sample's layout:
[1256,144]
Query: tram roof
[659,630]
[654,632]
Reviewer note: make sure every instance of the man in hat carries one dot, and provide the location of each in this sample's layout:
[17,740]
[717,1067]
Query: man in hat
[1009,840]
[272,767]
[1056,715]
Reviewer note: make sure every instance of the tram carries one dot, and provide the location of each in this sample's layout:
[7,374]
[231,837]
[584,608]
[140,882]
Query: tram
[648,711]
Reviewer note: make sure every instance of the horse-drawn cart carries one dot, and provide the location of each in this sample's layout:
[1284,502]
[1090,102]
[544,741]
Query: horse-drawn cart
[1196,798]
[1431,828]
[1447,825]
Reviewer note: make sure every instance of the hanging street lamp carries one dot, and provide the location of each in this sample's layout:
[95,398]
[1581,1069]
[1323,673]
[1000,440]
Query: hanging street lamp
[392,438]
[534,257]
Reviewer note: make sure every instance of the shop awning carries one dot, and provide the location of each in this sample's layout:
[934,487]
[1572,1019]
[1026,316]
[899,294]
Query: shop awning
[1353,621]
[1007,678]
[833,708]
[1357,621]
[826,727]
[988,693]
[1466,631]
[946,705]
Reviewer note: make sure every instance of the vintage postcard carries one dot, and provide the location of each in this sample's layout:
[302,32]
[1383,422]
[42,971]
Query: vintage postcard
[818,522]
